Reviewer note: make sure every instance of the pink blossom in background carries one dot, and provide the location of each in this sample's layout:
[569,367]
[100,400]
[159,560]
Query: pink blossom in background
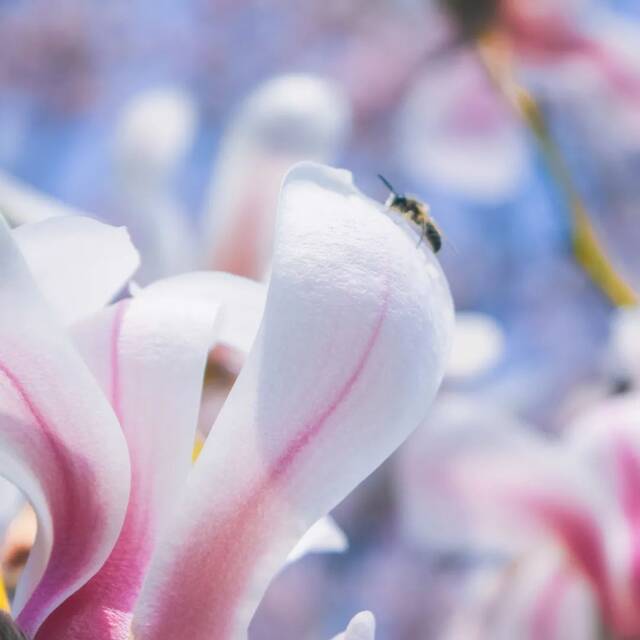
[562,513]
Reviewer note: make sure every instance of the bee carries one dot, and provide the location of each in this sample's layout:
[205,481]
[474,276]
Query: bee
[417,212]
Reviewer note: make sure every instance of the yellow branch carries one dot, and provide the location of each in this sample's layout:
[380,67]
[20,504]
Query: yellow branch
[587,249]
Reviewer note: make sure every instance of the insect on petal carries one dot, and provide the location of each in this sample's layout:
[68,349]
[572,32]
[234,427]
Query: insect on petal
[350,352]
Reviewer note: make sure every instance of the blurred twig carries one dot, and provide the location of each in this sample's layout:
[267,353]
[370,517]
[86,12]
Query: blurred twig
[587,249]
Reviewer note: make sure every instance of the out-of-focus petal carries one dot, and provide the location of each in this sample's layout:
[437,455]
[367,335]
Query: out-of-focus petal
[154,132]
[324,536]
[624,351]
[241,300]
[60,443]
[478,345]
[352,347]
[289,118]
[538,597]
[607,442]
[149,355]
[361,627]
[438,511]
[455,132]
[79,264]
[22,204]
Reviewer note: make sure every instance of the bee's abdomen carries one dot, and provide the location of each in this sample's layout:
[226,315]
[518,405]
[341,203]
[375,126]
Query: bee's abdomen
[434,238]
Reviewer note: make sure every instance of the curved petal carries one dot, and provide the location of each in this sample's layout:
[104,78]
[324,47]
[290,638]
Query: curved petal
[149,355]
[59,442]
[324,536]
[79,264]
[351,350]
[361,627]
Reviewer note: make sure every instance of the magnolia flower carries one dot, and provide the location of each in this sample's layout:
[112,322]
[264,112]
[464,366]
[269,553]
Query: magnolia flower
[97,420]
[563,516]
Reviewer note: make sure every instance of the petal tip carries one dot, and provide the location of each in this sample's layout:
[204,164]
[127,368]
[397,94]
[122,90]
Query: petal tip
[328,177]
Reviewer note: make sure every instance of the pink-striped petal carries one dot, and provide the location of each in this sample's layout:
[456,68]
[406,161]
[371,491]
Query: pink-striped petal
[149,355]
[59,442]
[539,596]
[79,264]
[435,475]
[352,347]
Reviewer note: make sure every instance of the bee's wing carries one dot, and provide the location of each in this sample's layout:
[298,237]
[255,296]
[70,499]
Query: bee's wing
[444,237]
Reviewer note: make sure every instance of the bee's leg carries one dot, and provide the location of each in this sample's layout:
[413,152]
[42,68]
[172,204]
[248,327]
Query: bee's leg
[423,233]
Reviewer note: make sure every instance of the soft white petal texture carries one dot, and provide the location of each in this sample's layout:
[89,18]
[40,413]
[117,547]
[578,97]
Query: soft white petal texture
[287,119]
[361,627]
[149,355]
[241,300]
[60,442]
[22,204]
[351,350]
[323,537]
[79,264]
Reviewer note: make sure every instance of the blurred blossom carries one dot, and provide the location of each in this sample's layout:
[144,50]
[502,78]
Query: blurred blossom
[624,354]
[455,131]
[576,497]
[127,531]
[478,346]
[154,133]
[287,119]
[435,514]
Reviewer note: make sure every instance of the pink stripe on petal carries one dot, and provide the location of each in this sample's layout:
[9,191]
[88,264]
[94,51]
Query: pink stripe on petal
[239,543]
[628,468]
[547,608]
[52,414]
[582,537]
[351,349]
[149,355]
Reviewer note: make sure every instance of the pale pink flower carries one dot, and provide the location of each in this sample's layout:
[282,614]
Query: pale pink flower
[97,421]
[562,513]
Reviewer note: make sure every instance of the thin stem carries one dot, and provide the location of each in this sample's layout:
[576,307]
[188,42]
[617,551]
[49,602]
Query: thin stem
[587,249]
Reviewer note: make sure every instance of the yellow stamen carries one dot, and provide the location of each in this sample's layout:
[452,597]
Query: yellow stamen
[4,599]
[587,249]
[197,447]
